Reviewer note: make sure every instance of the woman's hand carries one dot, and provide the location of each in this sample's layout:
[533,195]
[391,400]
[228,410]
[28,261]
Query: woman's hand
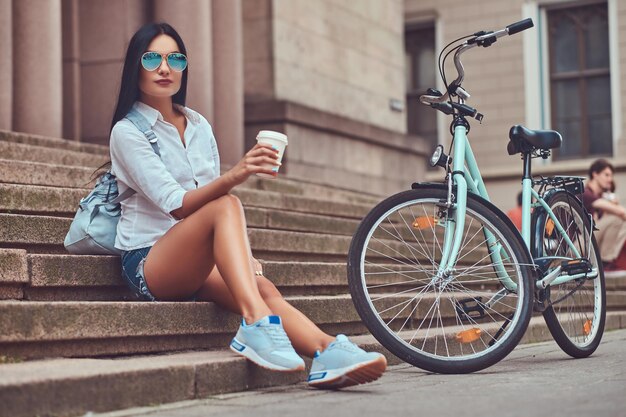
[253,162]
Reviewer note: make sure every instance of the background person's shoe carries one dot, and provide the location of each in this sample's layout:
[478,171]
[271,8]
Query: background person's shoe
[266,344]
[343,364]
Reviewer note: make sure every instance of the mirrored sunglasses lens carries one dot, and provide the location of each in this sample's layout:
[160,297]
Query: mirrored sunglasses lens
[177,62]
[151,61]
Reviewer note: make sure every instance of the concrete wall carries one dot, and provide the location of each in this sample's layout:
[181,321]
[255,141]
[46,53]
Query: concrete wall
[324,73]
[331,149]
[345,58]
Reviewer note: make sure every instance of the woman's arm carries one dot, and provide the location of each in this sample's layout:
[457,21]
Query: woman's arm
[607,207]
[250,164]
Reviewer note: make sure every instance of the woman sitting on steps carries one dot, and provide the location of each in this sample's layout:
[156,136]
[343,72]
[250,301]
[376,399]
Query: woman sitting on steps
[182,234]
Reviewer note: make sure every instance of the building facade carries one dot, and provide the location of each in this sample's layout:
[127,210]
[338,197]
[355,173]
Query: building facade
[567,73]
[340,78]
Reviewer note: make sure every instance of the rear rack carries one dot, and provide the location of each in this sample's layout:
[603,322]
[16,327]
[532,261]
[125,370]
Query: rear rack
[573,184]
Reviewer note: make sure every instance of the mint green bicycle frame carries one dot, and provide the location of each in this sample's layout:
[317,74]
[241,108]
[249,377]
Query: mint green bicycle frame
[466,176]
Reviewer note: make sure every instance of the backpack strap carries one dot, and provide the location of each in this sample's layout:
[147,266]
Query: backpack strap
[143,125]
[121,197]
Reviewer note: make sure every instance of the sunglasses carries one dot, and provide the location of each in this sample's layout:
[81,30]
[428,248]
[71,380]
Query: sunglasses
[152,60]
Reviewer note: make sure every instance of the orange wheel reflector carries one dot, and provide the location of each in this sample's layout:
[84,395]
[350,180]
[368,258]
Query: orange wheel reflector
[424,222]
[587,327]
[549,227]
[468,336]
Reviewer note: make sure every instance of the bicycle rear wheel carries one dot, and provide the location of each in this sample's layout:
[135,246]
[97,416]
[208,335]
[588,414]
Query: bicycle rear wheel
[577,321]
[459,323]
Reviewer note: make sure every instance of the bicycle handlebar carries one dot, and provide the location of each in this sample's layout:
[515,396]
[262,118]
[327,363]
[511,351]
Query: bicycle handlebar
[484,39]
[516,27]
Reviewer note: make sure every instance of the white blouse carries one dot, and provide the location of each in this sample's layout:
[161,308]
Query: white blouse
[160,183]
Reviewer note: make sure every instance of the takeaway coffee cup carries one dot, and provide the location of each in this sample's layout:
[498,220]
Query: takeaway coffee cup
[277,140]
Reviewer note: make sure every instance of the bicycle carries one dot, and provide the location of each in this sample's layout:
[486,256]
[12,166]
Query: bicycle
[444,280]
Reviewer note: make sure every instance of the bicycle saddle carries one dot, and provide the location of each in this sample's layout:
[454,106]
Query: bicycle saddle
[525,140]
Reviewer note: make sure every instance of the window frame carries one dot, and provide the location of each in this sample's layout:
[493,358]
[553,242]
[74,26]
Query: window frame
[581,75]
[429,24]
[536,71]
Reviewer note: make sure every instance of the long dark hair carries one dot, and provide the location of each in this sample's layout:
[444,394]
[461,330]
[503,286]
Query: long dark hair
[129,87]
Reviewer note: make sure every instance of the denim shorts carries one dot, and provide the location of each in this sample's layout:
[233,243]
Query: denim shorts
[132,272]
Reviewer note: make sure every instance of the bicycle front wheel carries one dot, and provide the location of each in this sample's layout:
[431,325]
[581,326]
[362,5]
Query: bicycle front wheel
[576,319]
[458,322]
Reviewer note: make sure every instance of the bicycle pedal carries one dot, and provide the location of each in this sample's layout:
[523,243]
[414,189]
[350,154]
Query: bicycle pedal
[576,266]
[469,335]
[470,309]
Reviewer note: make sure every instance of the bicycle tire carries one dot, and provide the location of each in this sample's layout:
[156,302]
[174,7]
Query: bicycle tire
[365,301]
[567,329]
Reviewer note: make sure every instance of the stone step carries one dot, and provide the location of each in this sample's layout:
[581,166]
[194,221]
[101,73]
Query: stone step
[16,198]
[22,147]
[61,277]
[42,277]
[54,202]
[32,329]
[51,277]
[67,386]
[311,190]
[46,234]
[274,235]
[37,173]
[55,143]
[24,152]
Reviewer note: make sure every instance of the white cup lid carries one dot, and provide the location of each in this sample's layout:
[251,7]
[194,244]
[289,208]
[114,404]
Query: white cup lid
[270,134]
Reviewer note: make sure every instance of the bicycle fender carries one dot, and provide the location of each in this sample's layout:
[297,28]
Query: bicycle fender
[539,215]
[417,185]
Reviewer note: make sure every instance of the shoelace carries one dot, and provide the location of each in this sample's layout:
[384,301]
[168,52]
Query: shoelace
[347,345]
[278,336]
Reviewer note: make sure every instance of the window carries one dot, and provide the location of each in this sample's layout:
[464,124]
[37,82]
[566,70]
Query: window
[580,80]
[420,75]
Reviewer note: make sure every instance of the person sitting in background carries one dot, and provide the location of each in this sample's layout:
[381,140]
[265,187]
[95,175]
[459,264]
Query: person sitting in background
[609,215]
[515,214]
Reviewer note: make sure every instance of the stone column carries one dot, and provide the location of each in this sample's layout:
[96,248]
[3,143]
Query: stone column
[192,20]
[228,93]
[37,70]
[71,70]
[6,82]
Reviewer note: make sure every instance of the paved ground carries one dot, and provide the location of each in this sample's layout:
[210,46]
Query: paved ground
[535,380]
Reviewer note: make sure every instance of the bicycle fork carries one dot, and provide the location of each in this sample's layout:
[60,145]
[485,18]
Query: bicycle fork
[456,204]
[463,179]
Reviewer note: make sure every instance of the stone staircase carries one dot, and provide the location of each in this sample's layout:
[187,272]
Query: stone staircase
[72,341]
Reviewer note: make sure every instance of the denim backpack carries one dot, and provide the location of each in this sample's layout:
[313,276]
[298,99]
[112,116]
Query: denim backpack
[94,227]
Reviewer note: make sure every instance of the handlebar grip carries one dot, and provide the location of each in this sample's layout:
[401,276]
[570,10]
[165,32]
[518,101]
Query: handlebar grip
[516,27]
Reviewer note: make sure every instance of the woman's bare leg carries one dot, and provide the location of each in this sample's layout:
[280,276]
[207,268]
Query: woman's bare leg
[215,235]
[304,335]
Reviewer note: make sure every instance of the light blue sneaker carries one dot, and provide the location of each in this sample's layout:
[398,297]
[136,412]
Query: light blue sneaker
[343,364]
[266,344]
